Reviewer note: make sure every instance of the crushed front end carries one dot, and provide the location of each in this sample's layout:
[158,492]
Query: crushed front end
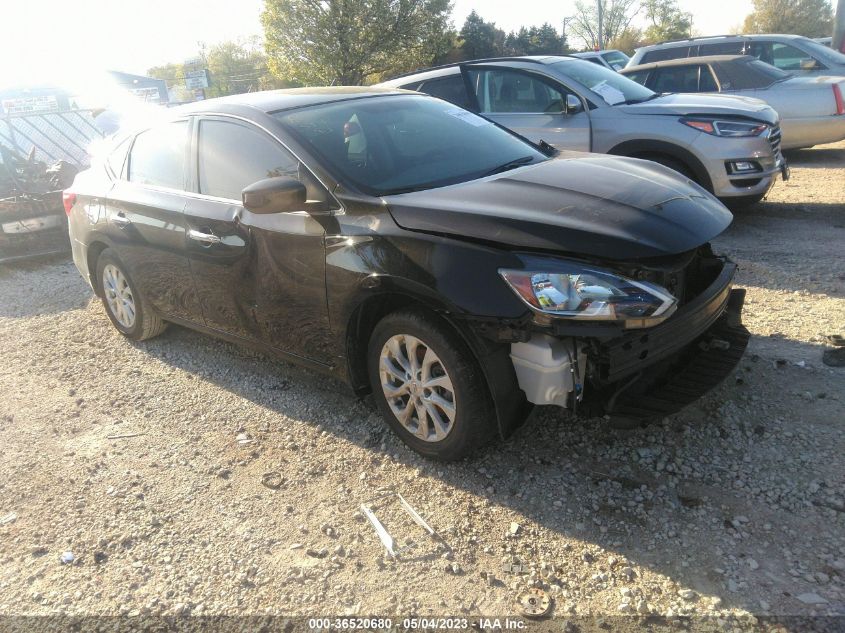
[638,368]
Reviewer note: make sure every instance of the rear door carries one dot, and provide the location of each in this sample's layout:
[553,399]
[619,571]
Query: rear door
[259,277]
[146,223]
[530,104]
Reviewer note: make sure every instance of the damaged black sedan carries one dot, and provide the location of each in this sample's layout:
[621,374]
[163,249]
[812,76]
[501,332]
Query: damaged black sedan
[418,252]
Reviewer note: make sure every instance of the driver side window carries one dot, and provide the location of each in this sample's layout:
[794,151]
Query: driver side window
[502,91]
[233,155]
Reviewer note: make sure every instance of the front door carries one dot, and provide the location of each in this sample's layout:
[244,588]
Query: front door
[531,105]
[146,223]
[259,277]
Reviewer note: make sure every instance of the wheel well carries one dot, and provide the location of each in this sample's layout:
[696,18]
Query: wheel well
[361,325]
[94,251]
[653,149]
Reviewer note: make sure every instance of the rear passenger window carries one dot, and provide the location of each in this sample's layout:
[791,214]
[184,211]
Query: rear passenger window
[450,89]
[158,156]
[676,79]
[232,156]
[721,48]
[663,54]
[706,81]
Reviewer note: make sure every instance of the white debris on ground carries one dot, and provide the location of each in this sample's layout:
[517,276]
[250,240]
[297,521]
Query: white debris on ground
[234,483]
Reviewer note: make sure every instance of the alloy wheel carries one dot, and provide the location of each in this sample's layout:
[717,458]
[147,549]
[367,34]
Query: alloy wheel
[119,296]
[417,388]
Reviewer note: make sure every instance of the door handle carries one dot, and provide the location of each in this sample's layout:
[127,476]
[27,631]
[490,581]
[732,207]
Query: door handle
[207,239]
[121,220]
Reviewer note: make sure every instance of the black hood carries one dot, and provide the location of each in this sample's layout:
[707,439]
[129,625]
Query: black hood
[586,204]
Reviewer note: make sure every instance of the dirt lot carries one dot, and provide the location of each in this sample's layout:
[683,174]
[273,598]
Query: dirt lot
[736,505]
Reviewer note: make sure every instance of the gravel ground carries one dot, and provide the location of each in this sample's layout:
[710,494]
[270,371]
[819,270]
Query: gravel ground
[146,462]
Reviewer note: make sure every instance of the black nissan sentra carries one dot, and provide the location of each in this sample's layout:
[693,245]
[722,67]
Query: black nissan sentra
[416,251]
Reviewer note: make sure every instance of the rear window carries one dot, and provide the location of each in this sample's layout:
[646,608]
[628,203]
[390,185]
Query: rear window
[662,54]
[616,59]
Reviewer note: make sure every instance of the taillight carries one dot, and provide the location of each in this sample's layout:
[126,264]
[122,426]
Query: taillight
[68,199]
[840,102]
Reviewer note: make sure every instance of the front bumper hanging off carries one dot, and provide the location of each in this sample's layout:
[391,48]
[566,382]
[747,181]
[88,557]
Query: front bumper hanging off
[684,374]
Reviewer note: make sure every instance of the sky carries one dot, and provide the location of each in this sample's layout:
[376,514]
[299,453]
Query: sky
[44,40]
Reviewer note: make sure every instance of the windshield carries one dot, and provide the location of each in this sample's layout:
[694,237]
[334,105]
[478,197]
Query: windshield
[616,59]
[822,52]
[609,85]
[400,143]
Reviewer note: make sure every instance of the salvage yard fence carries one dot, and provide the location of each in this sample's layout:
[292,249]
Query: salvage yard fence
[53,135]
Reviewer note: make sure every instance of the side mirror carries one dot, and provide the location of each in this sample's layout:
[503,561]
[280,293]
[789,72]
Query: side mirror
[573,104]
[809,64]
[275,195]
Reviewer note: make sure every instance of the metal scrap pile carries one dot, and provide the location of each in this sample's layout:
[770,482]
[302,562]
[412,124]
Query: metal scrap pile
[32,219]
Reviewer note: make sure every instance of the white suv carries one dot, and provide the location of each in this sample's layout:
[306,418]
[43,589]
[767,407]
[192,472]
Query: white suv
[791,53]
[728,145]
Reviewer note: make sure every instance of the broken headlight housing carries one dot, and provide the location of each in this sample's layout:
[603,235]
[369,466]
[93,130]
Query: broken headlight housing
[571,291]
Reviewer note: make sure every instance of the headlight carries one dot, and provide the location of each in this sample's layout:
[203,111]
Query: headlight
[726,128]
[573,292]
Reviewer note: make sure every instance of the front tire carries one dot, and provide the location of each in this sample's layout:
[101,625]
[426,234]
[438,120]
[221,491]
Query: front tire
[125,306]
[428,386]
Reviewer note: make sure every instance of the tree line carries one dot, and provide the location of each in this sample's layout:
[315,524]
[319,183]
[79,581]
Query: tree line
[354,42]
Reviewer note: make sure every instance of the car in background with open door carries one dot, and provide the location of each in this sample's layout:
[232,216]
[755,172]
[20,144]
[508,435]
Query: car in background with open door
[728,145]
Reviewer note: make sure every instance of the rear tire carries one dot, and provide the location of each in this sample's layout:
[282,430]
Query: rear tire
[428,386]
[125,306]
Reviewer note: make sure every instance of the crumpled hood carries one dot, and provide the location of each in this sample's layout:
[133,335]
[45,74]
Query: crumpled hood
[705,105]
[587,204]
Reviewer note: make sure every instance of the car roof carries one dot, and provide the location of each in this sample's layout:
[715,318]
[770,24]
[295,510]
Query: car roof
[683,61]
[435,71]
[594,53]
[274,100]
[718,38]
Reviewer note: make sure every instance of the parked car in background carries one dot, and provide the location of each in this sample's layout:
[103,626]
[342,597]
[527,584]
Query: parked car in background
[811,109]
[792,53]
[613,59]
[728,145]
[418,252]
[825,41]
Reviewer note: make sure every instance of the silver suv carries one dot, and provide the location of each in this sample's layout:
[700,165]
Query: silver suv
[728,145]
[791,53]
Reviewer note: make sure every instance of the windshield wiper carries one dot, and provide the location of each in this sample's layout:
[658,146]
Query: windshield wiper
[517,162]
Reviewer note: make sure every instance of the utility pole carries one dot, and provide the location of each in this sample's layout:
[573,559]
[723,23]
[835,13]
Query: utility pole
[838,42]
[564,22]
[601,23]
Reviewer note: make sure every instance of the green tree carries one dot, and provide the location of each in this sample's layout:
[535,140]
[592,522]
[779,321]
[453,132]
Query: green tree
[537,40]
[668,22]
[811,18]
[236,67]
[321,42]
[481,39]
[616,18]
[628,41]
